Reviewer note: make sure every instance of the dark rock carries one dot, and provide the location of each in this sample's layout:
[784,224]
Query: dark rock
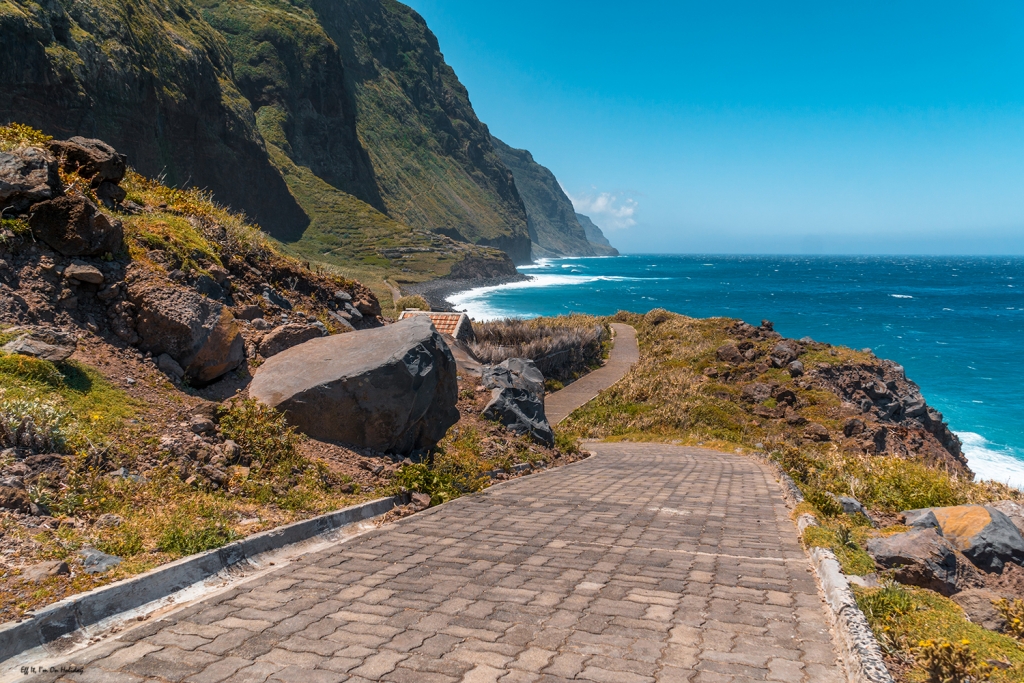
[97,562]
[977,605]
[784,353]
[786,397]
[729,353]
[27,176]
[419,501]
[757,392]
[342,319]
[521,412]
[272,297]
[249,313]
[796,369]
[92,159]
[260,324]
[110,195]
[1013,510]
[169,366]
[391,389]
[199,334]
[343,296]
[208,287]
[200,424]
[370,307]
[83,273]
[287,336]
[44,570]
[514,373]
[45,343]
[13,498]
[986,536]
[817,432]
[73,226]
[924,558]
[853,427]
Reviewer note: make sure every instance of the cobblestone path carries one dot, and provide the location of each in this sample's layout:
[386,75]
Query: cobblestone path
[625,353]
[644,563]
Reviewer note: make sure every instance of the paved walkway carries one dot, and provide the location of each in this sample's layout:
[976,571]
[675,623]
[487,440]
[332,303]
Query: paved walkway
[625,353]
[644,563]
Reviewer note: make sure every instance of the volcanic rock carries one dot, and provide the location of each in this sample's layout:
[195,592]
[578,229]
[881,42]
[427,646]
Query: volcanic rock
[287,336]
[514,373]
[977,605]
[73,226]
[729,353]
[201,335]
[92,159]
[44,343]
[83,273]
[986,536]
[924,558]
[27,176]
[390,389]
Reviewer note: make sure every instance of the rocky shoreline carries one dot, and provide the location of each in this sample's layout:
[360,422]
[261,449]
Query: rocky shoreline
[436,292]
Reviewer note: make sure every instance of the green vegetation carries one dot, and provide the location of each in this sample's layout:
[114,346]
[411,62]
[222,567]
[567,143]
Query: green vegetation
[931,635]
[18,135]
[407,302]
[1013,612]
[846,540]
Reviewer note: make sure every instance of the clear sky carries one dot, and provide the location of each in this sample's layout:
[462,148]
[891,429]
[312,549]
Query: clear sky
[761,127]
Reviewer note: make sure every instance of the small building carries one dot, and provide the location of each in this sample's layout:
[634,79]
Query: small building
[455,325]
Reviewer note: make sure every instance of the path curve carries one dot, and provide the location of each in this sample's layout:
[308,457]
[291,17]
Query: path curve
[625,353]
[646,563]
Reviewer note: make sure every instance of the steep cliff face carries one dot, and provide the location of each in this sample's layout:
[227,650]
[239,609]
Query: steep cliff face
[432,158]
[155,80]
[316,119]
[552,222]
[598,242]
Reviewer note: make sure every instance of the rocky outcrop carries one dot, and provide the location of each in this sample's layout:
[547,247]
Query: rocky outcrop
[27,176]
[924,558]
[550,216]
[517,399]
[286,336]
[201,335]
[44,343]
[74,226]
[93,160]
[598,242]
[391,389]
[983,534]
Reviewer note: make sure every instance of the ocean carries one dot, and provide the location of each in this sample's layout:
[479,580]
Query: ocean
[955,324]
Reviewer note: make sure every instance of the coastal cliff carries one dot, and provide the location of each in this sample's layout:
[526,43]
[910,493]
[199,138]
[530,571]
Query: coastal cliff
[598,242]
[554,228]
[338,127]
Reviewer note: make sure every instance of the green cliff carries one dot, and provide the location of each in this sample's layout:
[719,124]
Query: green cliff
[337,126]
[598,242]
[554,229]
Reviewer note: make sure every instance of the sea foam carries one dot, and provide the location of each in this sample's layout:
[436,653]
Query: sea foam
[992,462]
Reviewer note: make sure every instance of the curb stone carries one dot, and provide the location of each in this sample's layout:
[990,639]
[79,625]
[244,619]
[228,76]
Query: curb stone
[860,649]
[85,609]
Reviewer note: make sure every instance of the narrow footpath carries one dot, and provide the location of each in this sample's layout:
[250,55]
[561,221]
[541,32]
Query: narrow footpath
[625,353]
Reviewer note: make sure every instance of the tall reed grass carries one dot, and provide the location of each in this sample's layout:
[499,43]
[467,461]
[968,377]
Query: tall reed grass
[563,348]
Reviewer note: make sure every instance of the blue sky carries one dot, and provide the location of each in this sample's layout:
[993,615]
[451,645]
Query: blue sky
[760,127]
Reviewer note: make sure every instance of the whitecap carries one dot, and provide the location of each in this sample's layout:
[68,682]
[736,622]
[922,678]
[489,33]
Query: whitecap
[993,462]
[901,296]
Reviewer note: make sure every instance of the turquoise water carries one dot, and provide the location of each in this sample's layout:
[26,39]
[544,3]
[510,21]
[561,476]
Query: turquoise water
[955,324]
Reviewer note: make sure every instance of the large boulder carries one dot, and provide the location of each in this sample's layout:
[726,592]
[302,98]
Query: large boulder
[287,336]
[517,399]
[986,536]
[390,389]
[924,558]
[27,176]
[73,226]
[93,159]
[199,334]
[1013,510]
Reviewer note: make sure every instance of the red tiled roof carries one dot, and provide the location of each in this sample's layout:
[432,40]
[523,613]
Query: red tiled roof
[445,323]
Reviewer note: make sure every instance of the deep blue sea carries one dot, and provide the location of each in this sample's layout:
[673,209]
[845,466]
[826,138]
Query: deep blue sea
[955,324]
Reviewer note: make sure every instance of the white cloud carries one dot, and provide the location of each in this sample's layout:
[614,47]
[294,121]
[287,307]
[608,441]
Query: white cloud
[608,210]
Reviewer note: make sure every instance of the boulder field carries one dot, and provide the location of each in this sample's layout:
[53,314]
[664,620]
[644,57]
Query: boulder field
[391,389]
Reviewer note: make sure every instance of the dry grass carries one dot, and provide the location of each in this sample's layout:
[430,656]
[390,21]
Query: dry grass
[563,348]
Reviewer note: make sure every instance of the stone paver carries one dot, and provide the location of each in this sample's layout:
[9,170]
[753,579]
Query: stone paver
[625,352]
[644,563]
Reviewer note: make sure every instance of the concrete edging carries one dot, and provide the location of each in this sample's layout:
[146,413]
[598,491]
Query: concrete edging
[860,649]
[85,609]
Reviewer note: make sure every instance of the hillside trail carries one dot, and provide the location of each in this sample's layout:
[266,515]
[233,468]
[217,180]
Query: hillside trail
[645,563]
[624,354]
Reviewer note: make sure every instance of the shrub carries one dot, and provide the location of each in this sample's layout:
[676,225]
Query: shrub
[562,348]
[17,135]
[37,424]
[262,432]
[1013,612]
[946,662]
[185,538]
